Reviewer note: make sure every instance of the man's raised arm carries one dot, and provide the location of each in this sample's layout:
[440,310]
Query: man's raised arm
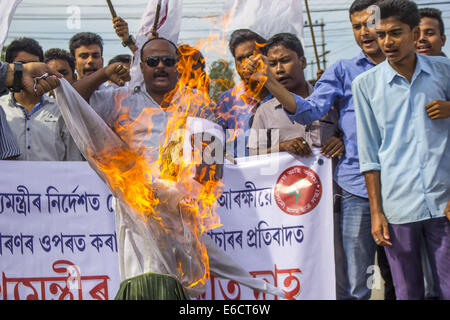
[314,107]
[115,72]
[11,76]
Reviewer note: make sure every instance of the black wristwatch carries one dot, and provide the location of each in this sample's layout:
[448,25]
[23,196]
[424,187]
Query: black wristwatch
[18,74]
[129,41]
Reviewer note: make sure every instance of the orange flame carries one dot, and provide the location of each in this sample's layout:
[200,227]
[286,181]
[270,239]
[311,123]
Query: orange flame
[131,172]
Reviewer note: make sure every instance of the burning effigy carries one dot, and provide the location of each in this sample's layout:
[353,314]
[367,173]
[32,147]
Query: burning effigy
[162,162]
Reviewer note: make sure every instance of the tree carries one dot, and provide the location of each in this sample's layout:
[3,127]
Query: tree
[3,54]
[221,76]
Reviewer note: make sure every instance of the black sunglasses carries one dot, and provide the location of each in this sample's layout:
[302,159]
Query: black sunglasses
[153,61]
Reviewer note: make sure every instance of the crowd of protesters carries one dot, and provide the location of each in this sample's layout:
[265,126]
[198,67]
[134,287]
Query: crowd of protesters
[383,116]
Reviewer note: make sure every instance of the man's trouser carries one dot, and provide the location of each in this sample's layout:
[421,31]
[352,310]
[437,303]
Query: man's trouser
[355,254]
[404,256]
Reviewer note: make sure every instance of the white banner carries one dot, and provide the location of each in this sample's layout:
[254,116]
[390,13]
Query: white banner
[57,233]
[58,240]
[277,216]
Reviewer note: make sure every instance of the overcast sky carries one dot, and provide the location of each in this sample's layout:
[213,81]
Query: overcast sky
[48,21]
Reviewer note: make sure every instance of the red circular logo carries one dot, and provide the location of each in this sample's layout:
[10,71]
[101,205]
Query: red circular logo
[298,190]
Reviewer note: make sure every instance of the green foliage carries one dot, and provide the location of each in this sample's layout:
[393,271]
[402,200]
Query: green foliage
[3,54]
[221,76]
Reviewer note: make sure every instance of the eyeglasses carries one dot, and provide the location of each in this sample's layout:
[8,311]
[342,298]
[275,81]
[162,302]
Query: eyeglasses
[153,61]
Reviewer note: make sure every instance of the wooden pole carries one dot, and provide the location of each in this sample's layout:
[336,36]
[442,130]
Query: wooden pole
[111,8]
[312,34]
[155,23]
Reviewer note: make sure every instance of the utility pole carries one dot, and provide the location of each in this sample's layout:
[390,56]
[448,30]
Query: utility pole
[322,31]
[312,33]
[322,45]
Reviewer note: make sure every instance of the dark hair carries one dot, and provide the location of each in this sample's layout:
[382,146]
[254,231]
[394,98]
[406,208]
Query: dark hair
[360,5]
[434,14]
[125,58]
[157,38]
[85,39]
[287,40]
[56,53]
[403,10]
[243,35]
[28,45]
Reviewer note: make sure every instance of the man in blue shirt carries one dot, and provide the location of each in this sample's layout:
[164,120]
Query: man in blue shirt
[357,254]
[236,106]
[431,41]
[405,153]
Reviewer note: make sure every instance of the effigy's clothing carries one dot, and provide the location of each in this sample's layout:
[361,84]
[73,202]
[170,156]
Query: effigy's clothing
[139,121]
[144,246]
[122,107]
[151,286]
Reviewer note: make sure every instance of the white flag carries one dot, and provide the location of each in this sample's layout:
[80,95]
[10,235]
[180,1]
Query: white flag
[168,27]
[7,9]
[266,17]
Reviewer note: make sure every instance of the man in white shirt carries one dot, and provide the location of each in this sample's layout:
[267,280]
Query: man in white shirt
[35,120]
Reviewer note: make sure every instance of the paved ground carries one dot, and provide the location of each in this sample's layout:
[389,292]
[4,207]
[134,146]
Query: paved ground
[378,289]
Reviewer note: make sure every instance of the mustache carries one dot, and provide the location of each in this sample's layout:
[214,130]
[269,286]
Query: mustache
[160,73]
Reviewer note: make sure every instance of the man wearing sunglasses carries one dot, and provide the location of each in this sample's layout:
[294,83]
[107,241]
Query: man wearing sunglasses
[158,66]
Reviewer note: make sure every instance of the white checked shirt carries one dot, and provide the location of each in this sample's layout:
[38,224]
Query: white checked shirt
[41,134]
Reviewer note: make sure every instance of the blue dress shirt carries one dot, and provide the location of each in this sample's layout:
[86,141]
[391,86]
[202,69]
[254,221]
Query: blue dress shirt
[335,88]
[397,138]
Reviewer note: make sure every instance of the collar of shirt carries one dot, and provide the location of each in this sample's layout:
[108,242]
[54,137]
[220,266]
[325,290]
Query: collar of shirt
[391,74]
[408,148]
[362,59]
[35,108]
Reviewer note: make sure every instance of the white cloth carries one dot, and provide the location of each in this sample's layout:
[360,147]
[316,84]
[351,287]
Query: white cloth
[7,9]
[168,27]
[265,17]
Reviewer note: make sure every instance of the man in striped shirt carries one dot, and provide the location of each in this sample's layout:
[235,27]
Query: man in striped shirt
[8,146]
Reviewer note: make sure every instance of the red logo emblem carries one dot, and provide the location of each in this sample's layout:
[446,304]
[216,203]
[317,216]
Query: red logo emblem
[298,190]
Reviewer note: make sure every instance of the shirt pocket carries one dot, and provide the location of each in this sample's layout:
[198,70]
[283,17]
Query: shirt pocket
[49,127]
[50,121]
